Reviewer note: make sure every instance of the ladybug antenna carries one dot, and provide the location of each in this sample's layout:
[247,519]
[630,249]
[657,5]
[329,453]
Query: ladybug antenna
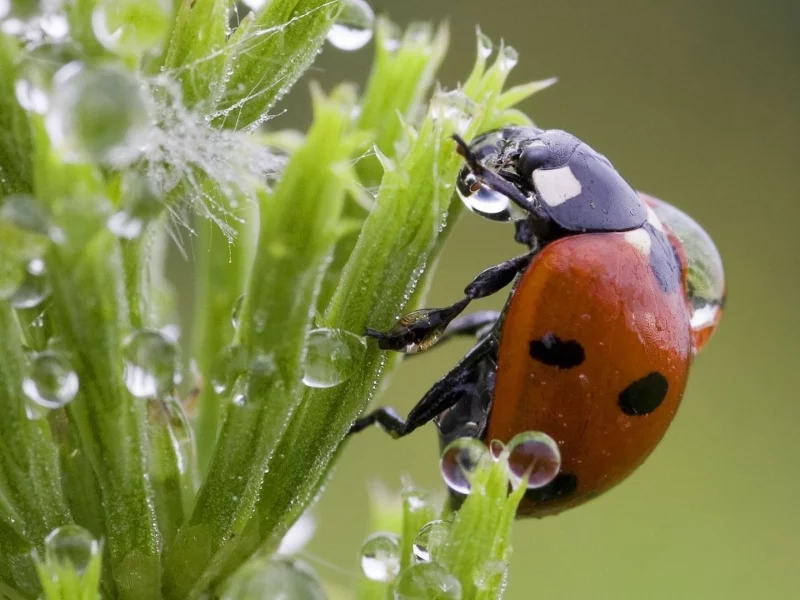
[490,178]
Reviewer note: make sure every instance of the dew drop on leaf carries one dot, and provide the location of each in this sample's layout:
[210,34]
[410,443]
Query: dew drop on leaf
[459,461]
[131,27]
[332,356]
[353,26]
[536,455]
[35,287]
[430,539]
[71,546]
[151,364]
[50,381]
[380,557]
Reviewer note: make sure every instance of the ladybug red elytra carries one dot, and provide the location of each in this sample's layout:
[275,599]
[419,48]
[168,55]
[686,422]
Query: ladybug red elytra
[616,295]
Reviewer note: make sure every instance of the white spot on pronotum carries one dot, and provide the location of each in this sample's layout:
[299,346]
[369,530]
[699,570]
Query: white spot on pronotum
[640,239]
[653,219]
[556,186]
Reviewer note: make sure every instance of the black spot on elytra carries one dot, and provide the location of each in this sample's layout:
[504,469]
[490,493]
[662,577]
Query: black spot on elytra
[644,395]
[563,485]
[553,351]
[663,260]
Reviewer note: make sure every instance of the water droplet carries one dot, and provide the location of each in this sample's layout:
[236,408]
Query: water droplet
[151,364]
[254,4]
[424,581]
[236,313]
[55,25]
[390,35]
[24,228]
[490,575]
[281,579]
[353,27]
[71,546]
[50,381]
[705,277]
[131,27]
[239,400]
[380,557]
[230,365]
[508,58]
[430,540]
[98,113]
[459,460]
[485,45]
[35,287]
[536,455]
[454,106]
[332,356]
[484,201]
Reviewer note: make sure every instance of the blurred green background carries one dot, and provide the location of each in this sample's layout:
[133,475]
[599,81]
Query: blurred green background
[697,102]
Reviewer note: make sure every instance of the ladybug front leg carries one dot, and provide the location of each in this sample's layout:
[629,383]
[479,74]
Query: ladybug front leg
[464,381]
[419,330]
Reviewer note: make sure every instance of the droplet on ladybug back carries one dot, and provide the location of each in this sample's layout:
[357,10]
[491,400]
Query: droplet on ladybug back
[534,455]
[705,277]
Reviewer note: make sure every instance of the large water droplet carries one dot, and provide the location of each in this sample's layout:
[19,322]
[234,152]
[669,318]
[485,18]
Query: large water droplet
[353,27]
[459,461]
[427,581]
[430,540]
[35,72]
[332,356]
[50,381]
[282,579]
[380,557]
[151,364]
[484,201]
[705,277]
[231,364]
[536,455]
[99,113]
[35,287]
[131,27]
[71,546]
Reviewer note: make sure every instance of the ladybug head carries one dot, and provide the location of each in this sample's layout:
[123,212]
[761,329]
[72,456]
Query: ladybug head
[547,181]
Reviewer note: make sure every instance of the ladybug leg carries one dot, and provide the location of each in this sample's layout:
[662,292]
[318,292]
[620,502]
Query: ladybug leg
[462,382]
[419,330]
[476,324]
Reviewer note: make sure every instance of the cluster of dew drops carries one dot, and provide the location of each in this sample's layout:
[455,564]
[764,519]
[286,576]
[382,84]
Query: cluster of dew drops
[533,460]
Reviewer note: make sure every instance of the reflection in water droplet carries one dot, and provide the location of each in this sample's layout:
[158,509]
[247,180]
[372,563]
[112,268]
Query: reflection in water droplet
[496,448]
[131,27]
[430,539]
[282,579]
[705,277]
[151,364]
[459,460]
[485,45]
[332,356]
[50,381]
[509,58]
[484,201]
[35,287]
[453,106]
[236,313]
[380,556]
[536,455]
[97,112]
[353,27]
[71,546]
[424,581]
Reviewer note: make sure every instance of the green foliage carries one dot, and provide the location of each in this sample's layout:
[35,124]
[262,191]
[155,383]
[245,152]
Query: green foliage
[183,481]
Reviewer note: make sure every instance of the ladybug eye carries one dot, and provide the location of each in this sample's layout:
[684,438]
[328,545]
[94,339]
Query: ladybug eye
[533,157]
[484,201]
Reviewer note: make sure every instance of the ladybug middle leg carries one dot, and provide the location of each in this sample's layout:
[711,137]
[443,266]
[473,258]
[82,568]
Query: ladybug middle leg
[419,330]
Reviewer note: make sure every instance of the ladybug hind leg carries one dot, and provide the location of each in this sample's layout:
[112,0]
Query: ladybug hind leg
[419,330]
[465,385]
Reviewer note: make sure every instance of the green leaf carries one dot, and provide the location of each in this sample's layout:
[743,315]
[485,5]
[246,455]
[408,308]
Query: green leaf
[15,136]
[298,222]
[266,54]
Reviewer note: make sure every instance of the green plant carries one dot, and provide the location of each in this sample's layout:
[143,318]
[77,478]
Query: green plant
[143,129]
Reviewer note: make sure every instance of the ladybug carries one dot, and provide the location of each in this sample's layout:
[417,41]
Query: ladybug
[616,294]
